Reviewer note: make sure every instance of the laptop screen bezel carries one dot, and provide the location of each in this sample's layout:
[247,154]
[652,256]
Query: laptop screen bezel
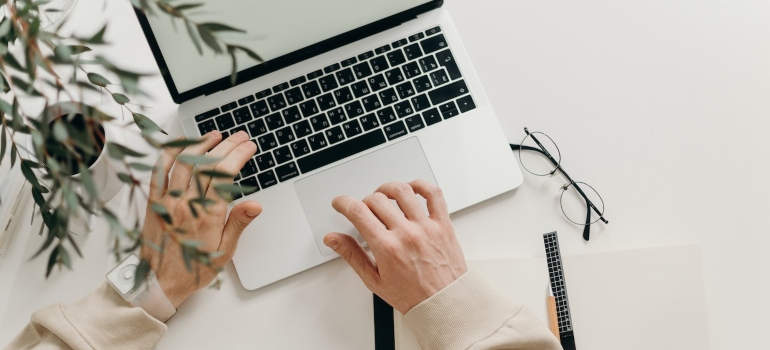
[281,62]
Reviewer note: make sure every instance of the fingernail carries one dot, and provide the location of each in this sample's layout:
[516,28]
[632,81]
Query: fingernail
[332,243]
[252,213]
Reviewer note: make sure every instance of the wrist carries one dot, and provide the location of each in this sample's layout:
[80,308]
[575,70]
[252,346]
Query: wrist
[147,295]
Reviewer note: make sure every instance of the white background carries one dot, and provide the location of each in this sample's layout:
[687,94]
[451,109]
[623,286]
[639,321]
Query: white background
[661,105]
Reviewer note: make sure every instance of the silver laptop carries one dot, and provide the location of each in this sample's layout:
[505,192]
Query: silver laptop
[353,94]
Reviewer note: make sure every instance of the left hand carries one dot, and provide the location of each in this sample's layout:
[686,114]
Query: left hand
[213,228]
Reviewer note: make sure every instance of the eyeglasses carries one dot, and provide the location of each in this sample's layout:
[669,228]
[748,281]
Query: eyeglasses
[579,201]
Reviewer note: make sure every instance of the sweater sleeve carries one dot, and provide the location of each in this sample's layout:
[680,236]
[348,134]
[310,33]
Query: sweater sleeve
[470,314]
[102,320]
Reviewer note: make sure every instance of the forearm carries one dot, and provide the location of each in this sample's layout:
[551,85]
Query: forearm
[102,320]
[470,314]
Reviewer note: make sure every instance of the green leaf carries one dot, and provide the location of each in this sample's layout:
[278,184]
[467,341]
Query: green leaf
[13,156]
[126,178]
[5,86]
[226,190]
[98,38]
[3,140]
[64,255]
[60,132]
[24,86]
[118,151]
[234,65]
[29,175]
[209,38]
[183,7]
[120,98]
[181,143]
[249,52]
[140,166]
[176,193]
[161,210]
[141,273]
[5,26]
[13,62]
[44,247]
[74,245]
[216,174]
[219,27]
[193,36]
[146,124]
[88,180]
[196,160]
[52,261]
[98,80]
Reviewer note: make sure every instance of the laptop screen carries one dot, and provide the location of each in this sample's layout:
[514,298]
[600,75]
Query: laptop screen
[273,28]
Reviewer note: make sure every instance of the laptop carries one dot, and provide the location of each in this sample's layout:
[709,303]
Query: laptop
[352,94]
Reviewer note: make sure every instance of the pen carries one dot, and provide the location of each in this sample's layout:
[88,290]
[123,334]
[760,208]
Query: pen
[553,321]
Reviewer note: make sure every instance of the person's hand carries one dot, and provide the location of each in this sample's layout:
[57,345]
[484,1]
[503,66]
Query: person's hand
[213,228]
[416,254]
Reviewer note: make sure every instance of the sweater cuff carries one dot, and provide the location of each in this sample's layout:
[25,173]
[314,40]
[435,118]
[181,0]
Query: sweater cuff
[465,312]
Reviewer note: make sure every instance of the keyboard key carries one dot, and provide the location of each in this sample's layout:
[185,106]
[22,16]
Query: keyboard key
[284,135]
[369,122]
[396,58]
[439,77]
[267,179]
[386,115]
[328,83]
[420,102]
[267,142]
[250,182]
[447,60]
[311,89]
[280,87]
[379,64]
[294,96]
[207,126]
[360,89]
[416,37]
[235,130]
[326,101]
[432,31]
[236,196]
[434,43]
[431,116]
[422,84]
[264,93]
[354,109]
[362,70]
[341,151]
[206,115]
[283,155]
[242,115]
[448,92]
[366,55]
[336,116]
[345,76]
[412,51]
[276,102]
[343,95]
[291,115]
[395,130]
[371,103]
[334,135]
[225,121]
[302,129]
[388,96]
[332,68]
[349,62]
[405,90]
[352,128]
[316,142]
[319,122]
[287,172]
[300,148]
[448,110]
[315,74]
[411,70]
[403,109]
[399,43]
[466,104]
[257,127]
[249,169]
[308,108]
[246,100]
[259,108]
[377,82]
[229,107]
[428,64]
[297,81]
[225,135]
[382,49]
[265,161]
[274,121]
[414,123]
[394,76]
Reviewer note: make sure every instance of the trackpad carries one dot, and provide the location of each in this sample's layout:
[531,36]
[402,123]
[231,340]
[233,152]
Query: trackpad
[402,162]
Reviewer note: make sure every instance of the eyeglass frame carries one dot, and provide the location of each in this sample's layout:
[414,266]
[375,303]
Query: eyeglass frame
[557,164]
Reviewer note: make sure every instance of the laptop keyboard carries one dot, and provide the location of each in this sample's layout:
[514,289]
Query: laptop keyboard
[344,109]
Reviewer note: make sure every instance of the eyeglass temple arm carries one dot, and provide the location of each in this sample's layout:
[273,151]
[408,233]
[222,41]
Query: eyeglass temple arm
[587,227]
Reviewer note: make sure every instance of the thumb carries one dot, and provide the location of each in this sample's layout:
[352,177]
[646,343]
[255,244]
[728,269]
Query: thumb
[240,217]
[349,249]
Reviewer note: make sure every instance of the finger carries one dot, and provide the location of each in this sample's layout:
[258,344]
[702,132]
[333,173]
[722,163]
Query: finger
[384,209]
[221,151]
[182,173]
[405,198]
[240,217]
[434,196]
[159,181]
[360,216]
[231,164]
[349,249]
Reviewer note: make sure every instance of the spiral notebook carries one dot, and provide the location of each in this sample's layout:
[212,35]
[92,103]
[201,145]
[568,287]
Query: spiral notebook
[639,299]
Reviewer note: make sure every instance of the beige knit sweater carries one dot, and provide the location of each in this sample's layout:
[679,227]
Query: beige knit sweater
[468,314]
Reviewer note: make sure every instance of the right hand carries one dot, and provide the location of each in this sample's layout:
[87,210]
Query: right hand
[416,254]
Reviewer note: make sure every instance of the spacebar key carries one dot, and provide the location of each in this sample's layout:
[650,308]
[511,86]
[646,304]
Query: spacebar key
[341,151]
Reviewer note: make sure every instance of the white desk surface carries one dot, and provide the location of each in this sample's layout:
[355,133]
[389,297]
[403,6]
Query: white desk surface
[663,106]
